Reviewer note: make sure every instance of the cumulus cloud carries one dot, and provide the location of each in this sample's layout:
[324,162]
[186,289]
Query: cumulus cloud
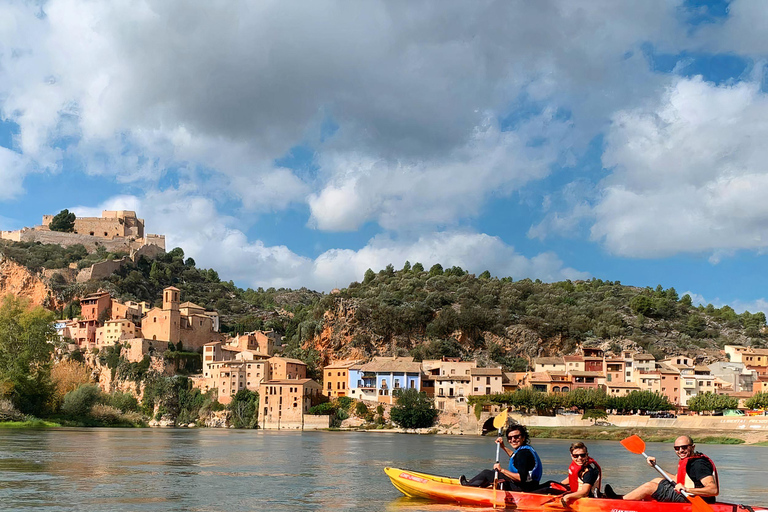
[688,173]
[13,168]
[217,241]
[133,88]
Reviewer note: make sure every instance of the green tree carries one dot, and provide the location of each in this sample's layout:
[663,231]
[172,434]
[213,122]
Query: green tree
[26,344]
[407,267]
[370,275]
[486,274]
[63,221]
[642,305]
[417,268]
[436,270]
[758,401]
[594,414]
[244,407]
[710,402]
[414,409]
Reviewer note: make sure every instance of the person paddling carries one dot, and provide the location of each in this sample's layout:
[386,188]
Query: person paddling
[524,471]
[584,475]
[696,475]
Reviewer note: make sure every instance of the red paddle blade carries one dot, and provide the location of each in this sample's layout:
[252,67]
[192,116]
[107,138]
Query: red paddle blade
[634,444]
[699,505]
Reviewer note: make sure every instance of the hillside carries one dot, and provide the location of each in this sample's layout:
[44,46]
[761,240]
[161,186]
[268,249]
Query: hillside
[452,313]
[426,314]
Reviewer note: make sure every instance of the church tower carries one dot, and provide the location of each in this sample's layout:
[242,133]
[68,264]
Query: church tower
[171,308]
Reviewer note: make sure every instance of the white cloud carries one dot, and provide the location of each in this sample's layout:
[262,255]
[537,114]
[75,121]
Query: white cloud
[216,241]
[228,87]
[689,173]
[13,168]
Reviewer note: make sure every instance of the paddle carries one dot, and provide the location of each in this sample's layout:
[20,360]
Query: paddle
[636,445]
[499,422]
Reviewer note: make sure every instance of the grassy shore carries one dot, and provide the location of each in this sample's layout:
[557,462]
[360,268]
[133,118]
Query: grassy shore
[660,435]
[29,424]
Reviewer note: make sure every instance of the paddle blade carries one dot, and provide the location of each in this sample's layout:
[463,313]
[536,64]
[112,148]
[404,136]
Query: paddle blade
[634,444]
[699,505]
[500,420]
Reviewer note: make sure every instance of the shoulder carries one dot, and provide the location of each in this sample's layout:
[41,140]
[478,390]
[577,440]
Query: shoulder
[701,465]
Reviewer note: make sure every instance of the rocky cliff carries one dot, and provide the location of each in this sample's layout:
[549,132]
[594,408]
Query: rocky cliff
[18,281]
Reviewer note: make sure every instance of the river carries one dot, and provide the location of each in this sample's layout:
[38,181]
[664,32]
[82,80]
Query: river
[238,470]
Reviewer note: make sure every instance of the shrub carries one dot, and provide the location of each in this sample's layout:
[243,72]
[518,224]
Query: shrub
[105,413]
[361,410]
[414,409]
[80,401]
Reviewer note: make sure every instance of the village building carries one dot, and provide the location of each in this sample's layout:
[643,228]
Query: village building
[620,388]
[284,404]
[573,363]
[550,382]
[549,364]
[669,383]
[614,370]
[116,331]
[735,374]
[378,379]
[192,326]
[586,379]
[336,379]
[487,381]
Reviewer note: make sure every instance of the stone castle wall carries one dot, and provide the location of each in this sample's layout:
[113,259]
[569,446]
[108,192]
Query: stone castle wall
[91,243]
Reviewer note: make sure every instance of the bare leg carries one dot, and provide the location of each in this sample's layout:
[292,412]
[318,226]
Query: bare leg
[644,491]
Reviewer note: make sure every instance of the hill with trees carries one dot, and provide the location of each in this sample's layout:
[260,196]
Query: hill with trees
[423,313]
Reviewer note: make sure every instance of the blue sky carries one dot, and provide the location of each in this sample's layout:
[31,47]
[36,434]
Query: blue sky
[298,145]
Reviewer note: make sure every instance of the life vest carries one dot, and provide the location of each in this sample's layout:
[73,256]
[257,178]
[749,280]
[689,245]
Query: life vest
[574,479]
[534,475]
[682,473]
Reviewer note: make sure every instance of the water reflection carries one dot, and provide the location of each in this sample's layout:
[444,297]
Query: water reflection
[225,470]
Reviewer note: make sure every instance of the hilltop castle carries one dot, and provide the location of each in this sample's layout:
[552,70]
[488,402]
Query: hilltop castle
[119,230]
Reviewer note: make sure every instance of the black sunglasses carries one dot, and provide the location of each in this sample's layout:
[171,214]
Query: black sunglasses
[513,436]
[682,447]
[579,455]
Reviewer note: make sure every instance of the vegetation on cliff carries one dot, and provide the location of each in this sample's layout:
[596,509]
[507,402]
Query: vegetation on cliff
[440,312]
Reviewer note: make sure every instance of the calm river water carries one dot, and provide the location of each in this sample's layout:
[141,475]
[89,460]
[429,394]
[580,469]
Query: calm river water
[226,470]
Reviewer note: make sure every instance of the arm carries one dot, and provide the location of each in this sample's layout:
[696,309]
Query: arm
[709,489]
[507,473]
[582,491]
[500,441]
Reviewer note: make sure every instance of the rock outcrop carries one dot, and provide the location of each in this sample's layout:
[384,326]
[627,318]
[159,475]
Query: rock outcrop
[18,281]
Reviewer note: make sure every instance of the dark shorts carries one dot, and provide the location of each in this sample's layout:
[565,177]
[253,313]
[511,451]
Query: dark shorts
[666,492]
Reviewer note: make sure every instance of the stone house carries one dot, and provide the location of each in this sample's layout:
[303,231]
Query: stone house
[283,404]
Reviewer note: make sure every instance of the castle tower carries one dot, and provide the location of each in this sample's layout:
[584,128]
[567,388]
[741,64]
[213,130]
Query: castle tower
[171,307]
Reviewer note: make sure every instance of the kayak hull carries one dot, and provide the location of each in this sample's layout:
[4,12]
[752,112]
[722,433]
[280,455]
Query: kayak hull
[449,490]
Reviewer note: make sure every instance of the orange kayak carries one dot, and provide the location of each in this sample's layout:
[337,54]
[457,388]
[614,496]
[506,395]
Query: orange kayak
[448,490]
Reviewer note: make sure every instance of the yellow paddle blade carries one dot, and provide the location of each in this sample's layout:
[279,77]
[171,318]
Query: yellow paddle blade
[500,420]
[699,505]
[634,444]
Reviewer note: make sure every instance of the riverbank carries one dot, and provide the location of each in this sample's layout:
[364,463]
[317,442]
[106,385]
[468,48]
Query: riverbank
[659,435]
[29,424]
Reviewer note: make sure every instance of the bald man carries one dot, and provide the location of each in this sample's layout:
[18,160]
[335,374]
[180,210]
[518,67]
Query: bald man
[696,474]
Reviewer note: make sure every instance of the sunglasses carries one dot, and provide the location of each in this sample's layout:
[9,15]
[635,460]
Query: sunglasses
[579,455]
[682,447]
[513,437]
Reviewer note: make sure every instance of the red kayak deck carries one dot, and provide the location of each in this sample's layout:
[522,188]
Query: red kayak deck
[449,490]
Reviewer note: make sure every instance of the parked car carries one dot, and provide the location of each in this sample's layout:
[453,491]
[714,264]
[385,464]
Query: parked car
[733,412]
[663,414]
[601,423]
